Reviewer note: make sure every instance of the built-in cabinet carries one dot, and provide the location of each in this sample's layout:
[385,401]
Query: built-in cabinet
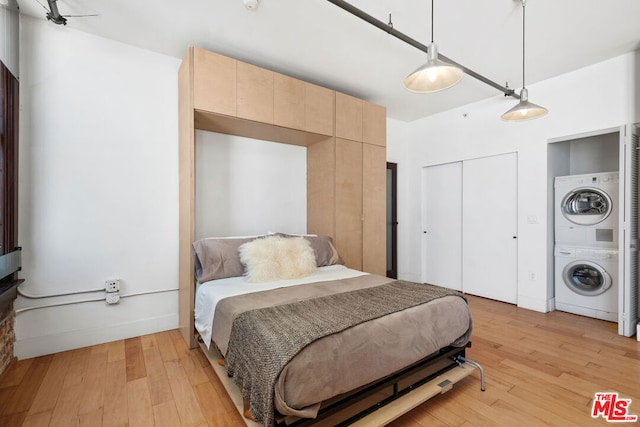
[346,153]
[352,174]
[223,85]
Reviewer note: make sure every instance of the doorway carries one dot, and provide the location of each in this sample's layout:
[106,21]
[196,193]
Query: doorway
[392,220]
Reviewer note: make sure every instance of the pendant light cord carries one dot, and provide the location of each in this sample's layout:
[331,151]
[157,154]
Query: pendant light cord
[523,33]
[431,21]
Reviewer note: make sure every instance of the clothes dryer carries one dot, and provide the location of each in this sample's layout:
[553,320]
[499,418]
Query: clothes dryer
[586,282]
[586,210]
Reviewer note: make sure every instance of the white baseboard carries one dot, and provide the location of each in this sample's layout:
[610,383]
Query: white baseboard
[543,306]
[34,347]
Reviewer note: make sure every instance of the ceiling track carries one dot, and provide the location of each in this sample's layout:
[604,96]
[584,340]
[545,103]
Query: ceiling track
[388,28]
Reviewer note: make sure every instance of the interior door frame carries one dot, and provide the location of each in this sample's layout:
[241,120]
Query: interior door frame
[393,255]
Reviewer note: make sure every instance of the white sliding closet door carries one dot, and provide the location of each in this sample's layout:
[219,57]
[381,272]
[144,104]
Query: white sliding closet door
[628,270]
[470,226]
[442,225]
[489,227]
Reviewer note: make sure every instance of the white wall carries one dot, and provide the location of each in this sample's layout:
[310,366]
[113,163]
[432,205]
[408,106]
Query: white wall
[9,36]
[601,96]
[98,187]
[246,186]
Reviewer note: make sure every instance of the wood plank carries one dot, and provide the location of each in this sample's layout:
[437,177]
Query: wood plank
[214,82]
[25,393]
[51,385]
[348,234]
[319,109]
[183,395]
[13,420]
[139,403]
[78,369]
[374,209]
[321,188]
[135,359]
[14,373]
[65,412]
[254,93]
[214,411]
[166,415]
[288,101]
[159,387]
[189,360]
[115,391]
[148,341]
[166,347]
[116,351]
[38,420]
[374,124]
[348,117]
[186,196]
[91,419]
[95,380]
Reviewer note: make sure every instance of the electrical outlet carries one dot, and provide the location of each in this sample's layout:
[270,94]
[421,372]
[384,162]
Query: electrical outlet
[113,297]
[112,285]
[532,276]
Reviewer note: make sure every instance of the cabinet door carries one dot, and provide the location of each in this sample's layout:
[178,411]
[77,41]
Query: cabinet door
[374,124]
[255,93]
[374,213]
[321,187]
[320,109]
[349,202]
[348,117]
[288,102]
[214,86]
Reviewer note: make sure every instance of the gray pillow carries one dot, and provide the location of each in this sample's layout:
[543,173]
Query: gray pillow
[325,252]
[218,258]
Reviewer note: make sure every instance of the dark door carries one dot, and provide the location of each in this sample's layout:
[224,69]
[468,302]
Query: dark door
[392,221]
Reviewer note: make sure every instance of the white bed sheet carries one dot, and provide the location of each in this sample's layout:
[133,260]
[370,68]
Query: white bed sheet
[208,294]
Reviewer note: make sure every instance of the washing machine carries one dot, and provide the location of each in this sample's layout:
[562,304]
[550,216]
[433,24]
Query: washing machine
[586,210]
[586,282]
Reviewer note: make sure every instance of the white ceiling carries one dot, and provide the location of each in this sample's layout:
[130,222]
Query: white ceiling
[316,41]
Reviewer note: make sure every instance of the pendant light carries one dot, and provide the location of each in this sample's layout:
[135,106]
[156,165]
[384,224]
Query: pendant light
[435,75]
[524,110]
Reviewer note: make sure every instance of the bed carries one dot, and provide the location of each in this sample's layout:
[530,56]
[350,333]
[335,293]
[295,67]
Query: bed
[303,336]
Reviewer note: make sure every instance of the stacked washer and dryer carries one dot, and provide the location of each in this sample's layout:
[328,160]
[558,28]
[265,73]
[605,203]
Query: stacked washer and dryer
[586,244]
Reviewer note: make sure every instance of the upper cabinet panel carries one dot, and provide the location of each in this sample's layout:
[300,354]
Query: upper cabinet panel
[348,117]
[374,125]
[289,101]
[214,87]
[255,93]
[319,109]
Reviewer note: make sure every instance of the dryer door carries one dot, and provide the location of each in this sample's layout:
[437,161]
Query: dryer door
[586,206]
[586,278]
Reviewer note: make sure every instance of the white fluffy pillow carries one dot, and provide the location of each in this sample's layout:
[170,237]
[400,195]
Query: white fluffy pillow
[277,257]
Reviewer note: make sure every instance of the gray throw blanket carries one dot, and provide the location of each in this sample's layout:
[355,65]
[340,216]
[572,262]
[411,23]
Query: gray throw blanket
[263,341]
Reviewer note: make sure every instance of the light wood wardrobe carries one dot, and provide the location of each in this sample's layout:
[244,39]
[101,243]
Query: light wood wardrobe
[346,154]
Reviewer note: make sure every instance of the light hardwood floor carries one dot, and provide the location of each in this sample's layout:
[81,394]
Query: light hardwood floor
[541,369]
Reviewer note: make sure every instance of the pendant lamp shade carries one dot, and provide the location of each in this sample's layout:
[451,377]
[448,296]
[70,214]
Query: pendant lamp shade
[524,110]
[433,76]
